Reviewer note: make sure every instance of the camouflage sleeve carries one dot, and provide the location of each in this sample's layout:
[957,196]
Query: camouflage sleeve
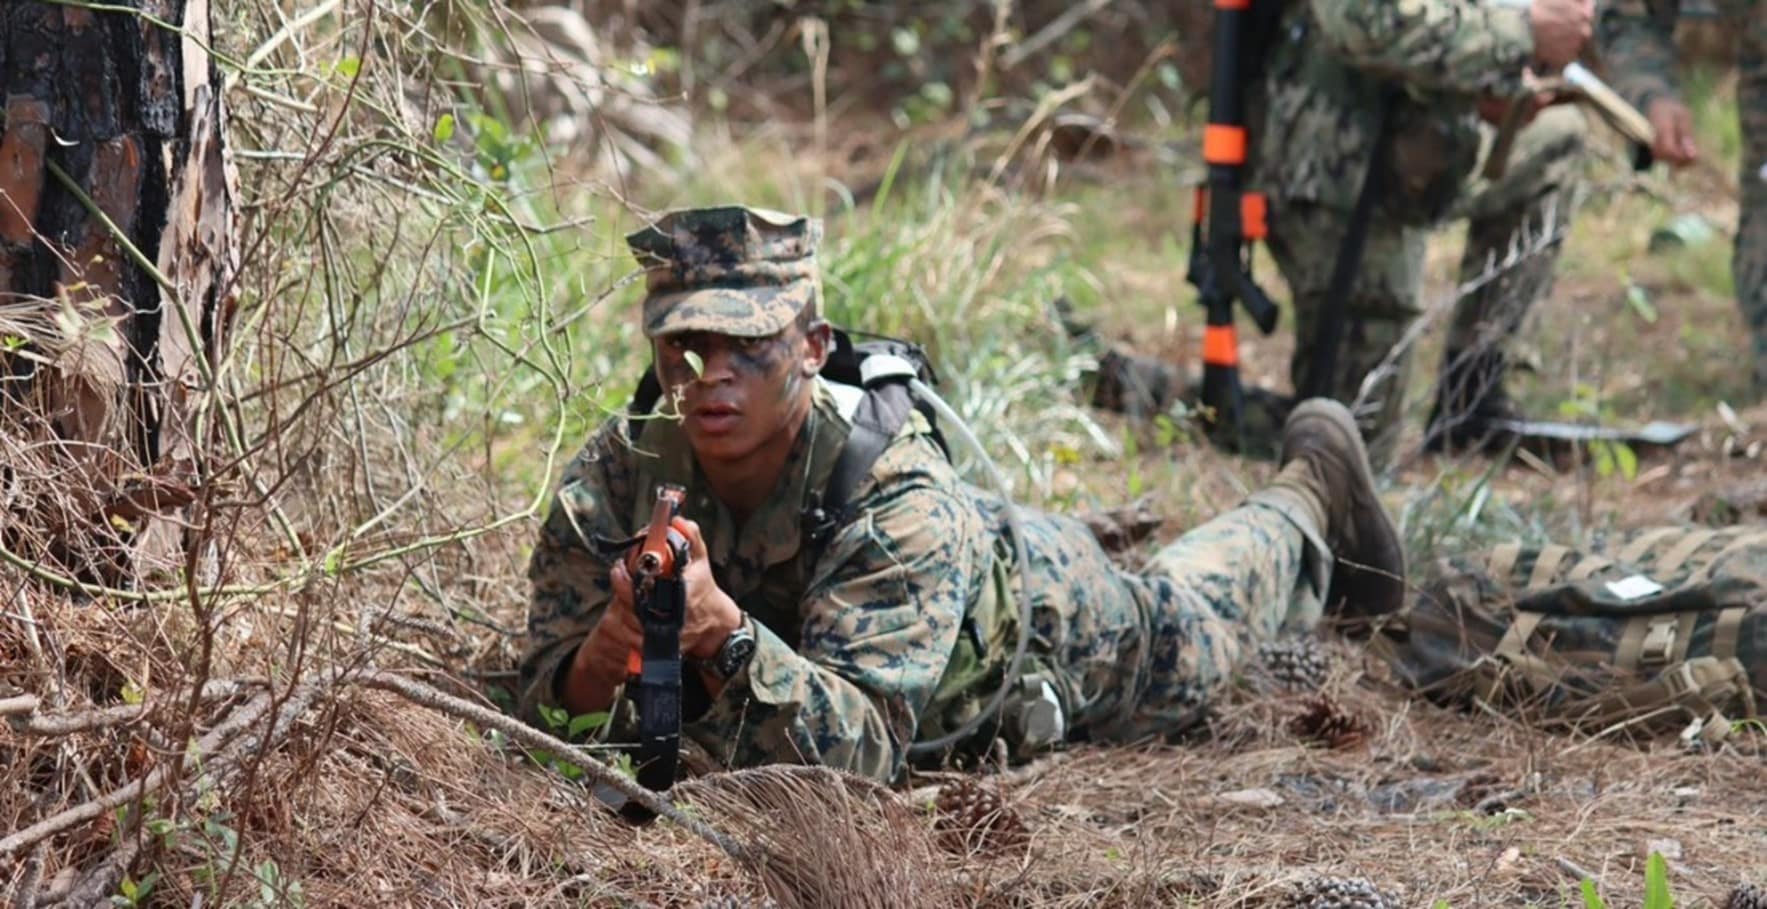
[879,626]
[1443,45]
[1637,44]
[570,584]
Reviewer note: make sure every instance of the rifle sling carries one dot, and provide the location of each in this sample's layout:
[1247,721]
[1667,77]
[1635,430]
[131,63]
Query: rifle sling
[1328,336]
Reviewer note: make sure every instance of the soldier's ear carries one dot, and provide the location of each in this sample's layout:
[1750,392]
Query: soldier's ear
[818,341]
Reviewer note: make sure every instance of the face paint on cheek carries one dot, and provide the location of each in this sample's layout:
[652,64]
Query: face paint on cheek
[768,360]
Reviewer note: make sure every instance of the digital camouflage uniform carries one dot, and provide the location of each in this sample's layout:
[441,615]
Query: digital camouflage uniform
[900,626]
[1637,38]
[1319,100]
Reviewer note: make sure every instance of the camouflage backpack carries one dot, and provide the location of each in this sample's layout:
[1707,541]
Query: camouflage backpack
[1663,629]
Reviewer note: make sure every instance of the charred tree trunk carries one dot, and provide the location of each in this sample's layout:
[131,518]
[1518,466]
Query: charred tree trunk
[116,275]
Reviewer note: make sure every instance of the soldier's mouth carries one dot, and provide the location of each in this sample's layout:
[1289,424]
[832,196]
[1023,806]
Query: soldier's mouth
[716,419]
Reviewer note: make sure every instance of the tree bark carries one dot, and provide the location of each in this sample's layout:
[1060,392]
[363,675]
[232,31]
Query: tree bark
[109,331]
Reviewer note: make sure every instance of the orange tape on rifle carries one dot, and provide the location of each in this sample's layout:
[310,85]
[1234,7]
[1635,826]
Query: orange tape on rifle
[1220,345]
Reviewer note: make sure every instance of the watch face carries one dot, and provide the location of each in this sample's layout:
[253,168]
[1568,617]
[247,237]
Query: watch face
[736,654]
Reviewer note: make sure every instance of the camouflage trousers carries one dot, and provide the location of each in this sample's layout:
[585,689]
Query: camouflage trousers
[1749,260]
[1585,637]
[1536,194]
[1132,654]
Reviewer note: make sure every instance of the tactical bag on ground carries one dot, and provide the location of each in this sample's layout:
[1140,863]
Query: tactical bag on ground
[1663,629]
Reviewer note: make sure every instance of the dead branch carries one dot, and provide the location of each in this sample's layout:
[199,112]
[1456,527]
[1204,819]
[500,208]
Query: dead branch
[98,884]
[209,744]
[58,724]
[51,725]
[425,696]
[24,894]
[18,704]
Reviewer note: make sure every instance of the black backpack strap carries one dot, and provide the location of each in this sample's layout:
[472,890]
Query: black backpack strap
[643,402]
[881,412]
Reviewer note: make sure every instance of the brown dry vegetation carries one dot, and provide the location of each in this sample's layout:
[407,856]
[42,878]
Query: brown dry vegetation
[373,536]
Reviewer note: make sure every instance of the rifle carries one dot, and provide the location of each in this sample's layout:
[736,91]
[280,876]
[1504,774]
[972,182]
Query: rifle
[656,559]
[1221,266]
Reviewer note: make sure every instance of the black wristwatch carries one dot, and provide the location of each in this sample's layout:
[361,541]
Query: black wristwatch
[734,653]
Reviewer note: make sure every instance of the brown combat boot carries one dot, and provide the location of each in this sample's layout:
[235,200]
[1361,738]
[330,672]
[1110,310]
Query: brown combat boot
[1325,465]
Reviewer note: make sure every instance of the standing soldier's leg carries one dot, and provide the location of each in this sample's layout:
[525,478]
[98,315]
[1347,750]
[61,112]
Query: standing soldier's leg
[1749,260]
[1507,265]
[1382,302]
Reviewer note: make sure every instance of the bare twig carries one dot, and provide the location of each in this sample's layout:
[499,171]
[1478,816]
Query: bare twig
[18,704]
[425,696]
[209,744]
[24,893]
[1049,34]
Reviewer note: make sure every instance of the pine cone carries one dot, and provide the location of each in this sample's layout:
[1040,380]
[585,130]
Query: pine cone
[1296,664]
[1322,721]
[1747,896]
[1339,893]
[974,819]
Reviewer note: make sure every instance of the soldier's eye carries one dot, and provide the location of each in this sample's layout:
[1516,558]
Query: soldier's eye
[749,343]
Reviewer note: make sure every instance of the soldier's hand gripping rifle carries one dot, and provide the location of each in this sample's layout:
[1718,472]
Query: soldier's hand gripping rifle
[1221,261]
[656,561]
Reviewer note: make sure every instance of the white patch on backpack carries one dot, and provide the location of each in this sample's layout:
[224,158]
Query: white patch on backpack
[1631,588]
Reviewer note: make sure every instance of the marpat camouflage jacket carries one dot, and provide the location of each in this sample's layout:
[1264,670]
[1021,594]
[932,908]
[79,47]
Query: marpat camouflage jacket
[860,651]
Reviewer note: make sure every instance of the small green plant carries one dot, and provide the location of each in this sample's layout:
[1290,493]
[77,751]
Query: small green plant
[132,892]
[1592,897]
[274,890]
[1656,883]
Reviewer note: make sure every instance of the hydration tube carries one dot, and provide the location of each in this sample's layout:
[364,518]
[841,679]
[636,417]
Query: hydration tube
[974,723]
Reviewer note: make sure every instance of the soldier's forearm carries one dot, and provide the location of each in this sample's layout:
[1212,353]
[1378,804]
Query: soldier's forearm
[1432,44]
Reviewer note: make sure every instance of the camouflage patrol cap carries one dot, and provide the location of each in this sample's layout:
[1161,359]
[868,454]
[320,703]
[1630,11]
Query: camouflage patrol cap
[729,270]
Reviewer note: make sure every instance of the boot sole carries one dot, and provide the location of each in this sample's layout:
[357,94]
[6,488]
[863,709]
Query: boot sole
[1372,589]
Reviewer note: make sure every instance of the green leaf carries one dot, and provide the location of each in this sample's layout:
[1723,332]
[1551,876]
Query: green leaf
[555,717]
[1627,460]
[334,561]
[1639,300]
[695,363]
[444,128]
[348,67]
[128,889]
[1656,883]
[587,722]
[1440,904]
[132,694]
[1591,898]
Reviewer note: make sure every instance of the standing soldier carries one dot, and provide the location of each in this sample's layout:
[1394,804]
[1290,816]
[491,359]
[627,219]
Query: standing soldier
[1637,39]
[1413,79]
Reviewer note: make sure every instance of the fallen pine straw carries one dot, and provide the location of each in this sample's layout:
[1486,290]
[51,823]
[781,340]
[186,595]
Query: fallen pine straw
[406,807]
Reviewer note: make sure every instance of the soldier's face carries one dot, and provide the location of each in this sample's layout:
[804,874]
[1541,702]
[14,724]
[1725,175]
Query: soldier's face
[741,396]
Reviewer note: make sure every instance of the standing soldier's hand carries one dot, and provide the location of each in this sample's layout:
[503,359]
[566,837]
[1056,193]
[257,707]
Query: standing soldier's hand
[1673,124]
[1561,28]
